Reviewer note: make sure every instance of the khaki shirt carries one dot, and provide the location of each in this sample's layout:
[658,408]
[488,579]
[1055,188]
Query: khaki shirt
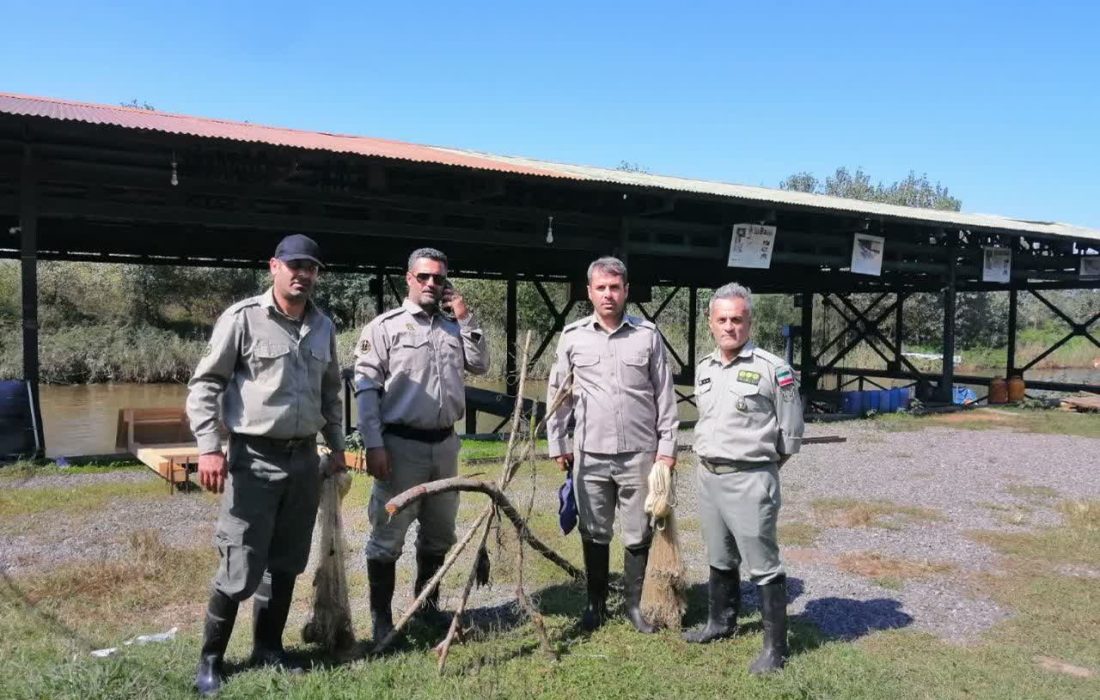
[622,398]
[267,375]
[749,409]
[409,370]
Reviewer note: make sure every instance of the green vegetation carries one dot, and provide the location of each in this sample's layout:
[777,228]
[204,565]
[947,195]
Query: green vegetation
[850,512]
[75,499]
[1051,421]
[797,534]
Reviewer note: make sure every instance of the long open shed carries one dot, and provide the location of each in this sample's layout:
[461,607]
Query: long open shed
[117,184]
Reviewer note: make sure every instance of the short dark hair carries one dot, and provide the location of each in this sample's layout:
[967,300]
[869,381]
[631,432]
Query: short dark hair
[430,254]
[609,266]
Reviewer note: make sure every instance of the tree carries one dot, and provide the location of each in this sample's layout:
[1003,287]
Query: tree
[912,191]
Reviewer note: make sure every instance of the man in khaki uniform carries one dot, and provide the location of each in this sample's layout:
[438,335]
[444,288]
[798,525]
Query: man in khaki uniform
[271,375]
[624,406]
[410,389]
[750,423]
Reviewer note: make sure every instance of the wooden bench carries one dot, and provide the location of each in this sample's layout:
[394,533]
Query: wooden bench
[161,439]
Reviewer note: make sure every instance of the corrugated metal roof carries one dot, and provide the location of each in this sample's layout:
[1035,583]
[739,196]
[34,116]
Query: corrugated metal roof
[134,118]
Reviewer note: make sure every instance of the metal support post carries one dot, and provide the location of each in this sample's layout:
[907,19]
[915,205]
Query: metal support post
[511,331]
[947,375]
[1010,360]
[28,226]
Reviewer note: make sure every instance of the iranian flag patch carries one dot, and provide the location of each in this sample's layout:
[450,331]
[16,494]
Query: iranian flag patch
[785,377]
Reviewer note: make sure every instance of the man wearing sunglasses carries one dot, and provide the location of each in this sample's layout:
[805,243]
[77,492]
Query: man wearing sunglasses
[272,376]
[410,390]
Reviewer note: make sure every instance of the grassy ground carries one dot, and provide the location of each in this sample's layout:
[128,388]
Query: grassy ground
[51,620]
[1054,422]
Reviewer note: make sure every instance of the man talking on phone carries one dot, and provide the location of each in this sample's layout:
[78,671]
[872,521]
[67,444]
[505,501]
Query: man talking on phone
[410,390]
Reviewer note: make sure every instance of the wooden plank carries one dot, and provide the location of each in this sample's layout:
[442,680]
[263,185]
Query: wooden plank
[1083,404]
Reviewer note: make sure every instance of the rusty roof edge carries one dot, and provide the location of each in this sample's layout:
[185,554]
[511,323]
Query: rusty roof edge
[478,160]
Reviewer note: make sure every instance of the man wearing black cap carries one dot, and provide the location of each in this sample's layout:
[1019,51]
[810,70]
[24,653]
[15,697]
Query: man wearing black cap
[272,376]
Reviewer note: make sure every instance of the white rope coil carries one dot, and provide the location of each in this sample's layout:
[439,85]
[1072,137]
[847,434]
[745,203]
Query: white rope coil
[662,495]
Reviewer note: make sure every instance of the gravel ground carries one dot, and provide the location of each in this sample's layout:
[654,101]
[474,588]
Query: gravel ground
[974,480]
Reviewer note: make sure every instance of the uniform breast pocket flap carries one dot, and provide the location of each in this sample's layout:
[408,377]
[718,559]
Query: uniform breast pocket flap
[586,360]
[747,397]
[320,353]
[269,351]
[413,340]
[636,360]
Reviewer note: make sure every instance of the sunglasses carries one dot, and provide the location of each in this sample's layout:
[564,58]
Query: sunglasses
[423,277]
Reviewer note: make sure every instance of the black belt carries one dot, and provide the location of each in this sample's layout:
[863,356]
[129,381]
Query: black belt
[419,434]
[727,467]
[277,444]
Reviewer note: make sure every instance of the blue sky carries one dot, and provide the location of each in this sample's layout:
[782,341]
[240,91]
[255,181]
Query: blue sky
[1000,103]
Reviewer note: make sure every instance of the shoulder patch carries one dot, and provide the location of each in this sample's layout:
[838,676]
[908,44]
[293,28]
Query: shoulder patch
[243,304]
[784,376]
[574,325]
[765,355]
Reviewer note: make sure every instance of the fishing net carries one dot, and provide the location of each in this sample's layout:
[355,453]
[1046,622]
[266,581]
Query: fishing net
[329,623]
[664,591]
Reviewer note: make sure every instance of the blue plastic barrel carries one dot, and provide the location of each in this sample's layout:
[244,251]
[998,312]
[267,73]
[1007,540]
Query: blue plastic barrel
[902,397]
[864,400]
[849,403]
[16,423]
[888,401]
[873,400]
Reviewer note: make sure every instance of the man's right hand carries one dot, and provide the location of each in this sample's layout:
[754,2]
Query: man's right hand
[378,463]
[212,471]
[565,462]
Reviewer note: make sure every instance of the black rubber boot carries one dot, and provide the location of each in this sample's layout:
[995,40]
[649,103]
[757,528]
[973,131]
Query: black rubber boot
[596,557]
[221,613]
[634,561]
[426,566]
[773,608]
[270,607]
[381,576]
[723,605]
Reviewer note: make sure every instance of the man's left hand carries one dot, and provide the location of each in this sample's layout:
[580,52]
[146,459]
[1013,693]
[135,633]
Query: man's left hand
[337,463]
[457,303]
[669,461]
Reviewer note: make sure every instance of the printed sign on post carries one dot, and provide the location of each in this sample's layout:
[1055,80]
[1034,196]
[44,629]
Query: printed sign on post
[997,265]
[867,254]
[751,246]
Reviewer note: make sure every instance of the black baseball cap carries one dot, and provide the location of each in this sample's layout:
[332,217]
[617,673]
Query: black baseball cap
[299,247]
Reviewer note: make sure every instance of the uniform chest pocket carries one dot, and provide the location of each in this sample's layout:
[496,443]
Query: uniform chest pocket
[320,353]
[748,399]
[704,397]
[411,352]
[268,359]
[586,368]
[635,369]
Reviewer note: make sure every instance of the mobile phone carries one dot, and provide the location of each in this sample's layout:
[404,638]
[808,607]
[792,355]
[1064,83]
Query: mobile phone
[444,303]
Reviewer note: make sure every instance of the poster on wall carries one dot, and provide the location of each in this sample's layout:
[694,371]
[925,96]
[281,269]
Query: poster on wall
[751,245]
[867,254]
[997,265]
[1090,267]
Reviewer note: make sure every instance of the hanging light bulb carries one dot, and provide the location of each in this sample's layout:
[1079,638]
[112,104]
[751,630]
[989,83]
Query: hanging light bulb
[175,180]
[549,229]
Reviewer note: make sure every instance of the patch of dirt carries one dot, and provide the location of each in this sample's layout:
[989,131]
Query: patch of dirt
[1048,663]
[874,565]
